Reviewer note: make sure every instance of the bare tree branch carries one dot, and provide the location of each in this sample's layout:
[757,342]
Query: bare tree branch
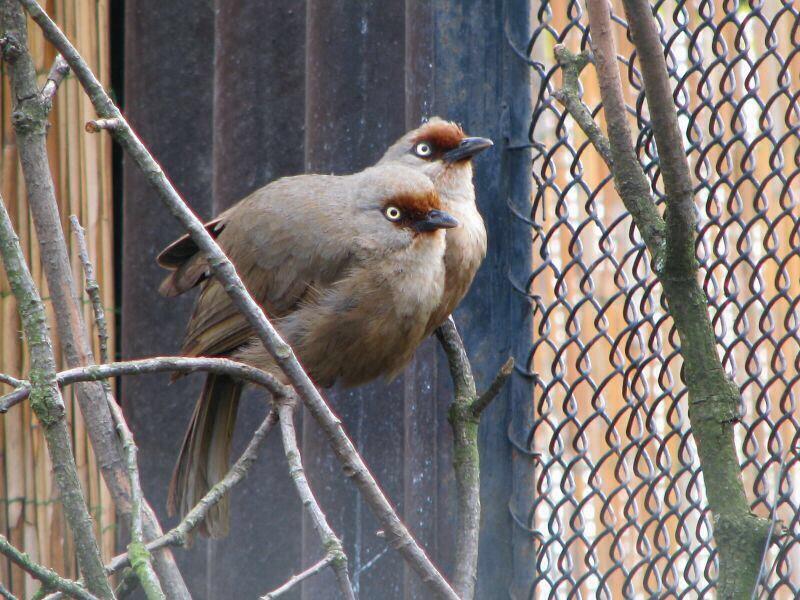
[180,534]
[140,557]
[141,561]
[485,399]
[464,416]
[12,381]
[397,533]
[58,72]
[713,399]
[298,579]
[92,288]
[680,214]
[156,364]
[570,97]
[30,126]
[46,401]
[49,578]
[98,125]
[6,594]
[629,178]
[334,551]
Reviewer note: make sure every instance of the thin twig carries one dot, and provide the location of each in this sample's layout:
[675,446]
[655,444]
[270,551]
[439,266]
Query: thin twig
[48,577]
[92,288]
[12,381]
[396,531]
[297,579]
[6,594]
[156,364]
[58,72]
[180,534]
[98,125]
[773,524]
[486,398]
[140,557]
[20,393]
[332,544]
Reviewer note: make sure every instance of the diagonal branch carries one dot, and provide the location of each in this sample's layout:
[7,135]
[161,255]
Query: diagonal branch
[48,577]
[570,97]
[5,593]
[180,534]
[334,551]
[296,580]
[397,533]
[629,177]
[498,383]
[680,214]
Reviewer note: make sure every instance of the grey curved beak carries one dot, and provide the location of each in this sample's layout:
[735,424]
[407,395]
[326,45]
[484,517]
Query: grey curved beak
[468,148]
[436,219]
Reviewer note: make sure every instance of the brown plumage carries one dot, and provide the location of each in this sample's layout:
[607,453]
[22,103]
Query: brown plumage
[349,268]
[444,135]
[351,290]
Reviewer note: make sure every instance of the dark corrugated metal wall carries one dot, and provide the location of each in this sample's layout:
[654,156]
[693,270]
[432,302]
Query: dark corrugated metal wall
[271,89]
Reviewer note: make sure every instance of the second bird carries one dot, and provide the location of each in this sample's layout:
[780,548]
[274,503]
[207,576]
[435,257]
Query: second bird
[355,271]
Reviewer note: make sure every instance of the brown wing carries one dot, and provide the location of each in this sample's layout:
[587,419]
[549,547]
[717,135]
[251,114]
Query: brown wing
[273,238]
[218,327]
[187,264]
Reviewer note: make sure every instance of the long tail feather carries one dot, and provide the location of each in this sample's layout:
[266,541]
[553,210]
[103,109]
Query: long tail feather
[205,455]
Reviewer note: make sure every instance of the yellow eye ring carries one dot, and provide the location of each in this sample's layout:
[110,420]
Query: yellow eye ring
[392,213]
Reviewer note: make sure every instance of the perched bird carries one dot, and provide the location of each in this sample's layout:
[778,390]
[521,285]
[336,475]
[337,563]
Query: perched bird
[353,271]
[350,269]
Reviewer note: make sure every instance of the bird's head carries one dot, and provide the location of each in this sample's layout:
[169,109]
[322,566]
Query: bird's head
[399,205]
[419,212]
[438,148]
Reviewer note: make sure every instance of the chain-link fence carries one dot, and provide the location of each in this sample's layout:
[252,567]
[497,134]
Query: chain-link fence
[619,504]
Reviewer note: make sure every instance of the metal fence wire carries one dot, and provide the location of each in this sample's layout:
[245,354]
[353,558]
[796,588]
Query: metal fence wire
[618,503]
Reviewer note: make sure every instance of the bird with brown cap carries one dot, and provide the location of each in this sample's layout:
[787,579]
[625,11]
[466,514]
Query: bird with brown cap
[355,271]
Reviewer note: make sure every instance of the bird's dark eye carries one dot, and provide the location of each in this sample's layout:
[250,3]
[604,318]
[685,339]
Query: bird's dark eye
[423,149]
[392,213]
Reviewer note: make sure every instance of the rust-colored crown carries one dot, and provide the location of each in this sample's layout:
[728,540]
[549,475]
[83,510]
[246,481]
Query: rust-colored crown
[416,205]
[444,135]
